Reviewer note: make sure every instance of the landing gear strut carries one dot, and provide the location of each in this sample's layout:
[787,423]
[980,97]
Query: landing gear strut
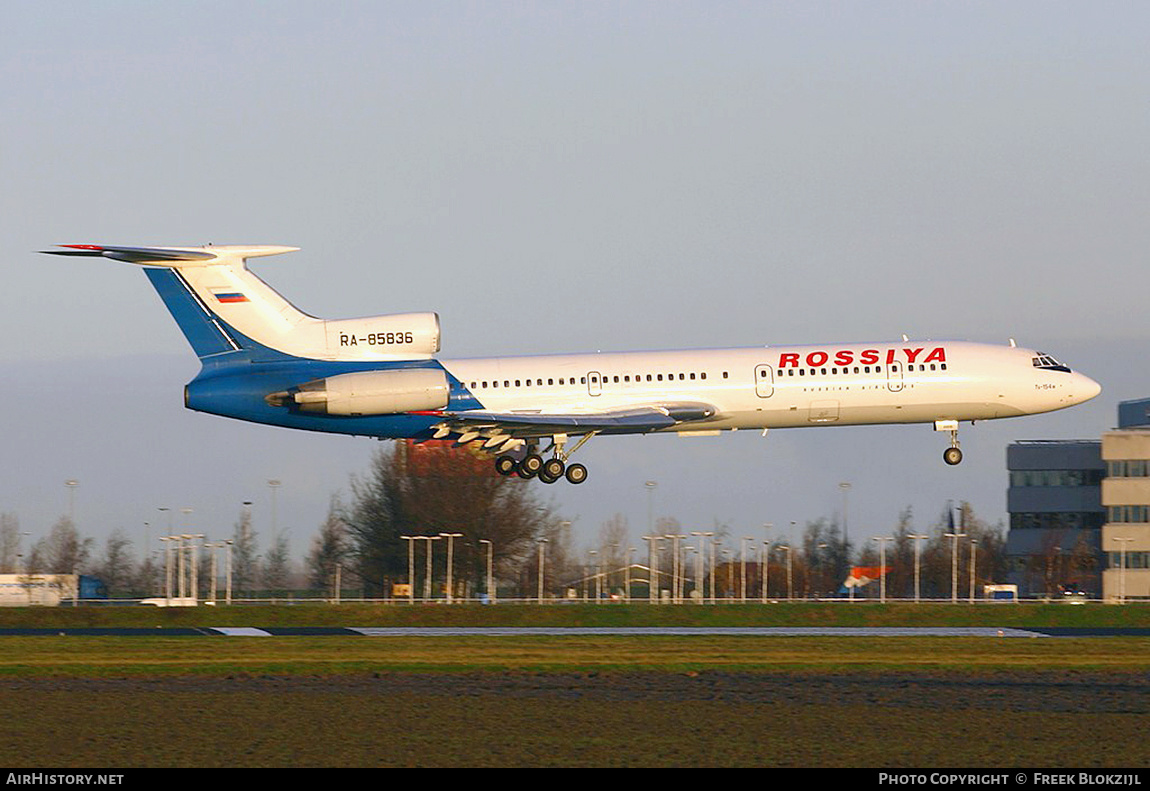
[533,465]
[953,454]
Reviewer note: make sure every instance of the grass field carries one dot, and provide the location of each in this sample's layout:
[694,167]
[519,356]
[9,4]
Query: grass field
[576,701]
[121,657]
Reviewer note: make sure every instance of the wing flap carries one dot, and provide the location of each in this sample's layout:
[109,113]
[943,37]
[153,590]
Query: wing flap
[641,418]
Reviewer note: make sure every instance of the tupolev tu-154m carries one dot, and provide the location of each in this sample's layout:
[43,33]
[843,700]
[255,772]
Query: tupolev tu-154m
[265,361]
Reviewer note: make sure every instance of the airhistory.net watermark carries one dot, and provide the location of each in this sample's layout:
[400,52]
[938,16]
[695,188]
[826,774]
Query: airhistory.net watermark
[61,779]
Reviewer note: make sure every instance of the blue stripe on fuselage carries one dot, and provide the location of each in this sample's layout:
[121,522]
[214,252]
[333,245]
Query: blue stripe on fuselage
[237,388]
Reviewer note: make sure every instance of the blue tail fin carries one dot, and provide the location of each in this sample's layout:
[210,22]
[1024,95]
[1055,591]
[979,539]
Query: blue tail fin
[199,325]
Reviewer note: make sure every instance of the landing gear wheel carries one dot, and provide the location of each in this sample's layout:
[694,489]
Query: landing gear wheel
[952,456]
[576,473]
[505,465]
[553,468]
[530,466]
[543,476]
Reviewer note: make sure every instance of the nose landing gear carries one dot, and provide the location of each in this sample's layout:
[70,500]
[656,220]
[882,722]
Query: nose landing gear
[953,454]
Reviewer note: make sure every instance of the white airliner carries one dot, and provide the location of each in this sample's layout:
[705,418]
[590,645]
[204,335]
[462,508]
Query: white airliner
[265,361]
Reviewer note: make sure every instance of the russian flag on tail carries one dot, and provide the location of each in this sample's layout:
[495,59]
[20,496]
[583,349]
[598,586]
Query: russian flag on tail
[231,296]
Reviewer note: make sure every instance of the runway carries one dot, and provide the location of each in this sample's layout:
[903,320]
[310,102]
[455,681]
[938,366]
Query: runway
[767,631]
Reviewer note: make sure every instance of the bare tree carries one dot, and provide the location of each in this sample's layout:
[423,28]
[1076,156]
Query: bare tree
[116,568]
[9,543]
[613,548]
[330,549]
[823,559]
[277,566]
[245,566]
[64,551]
[432,488]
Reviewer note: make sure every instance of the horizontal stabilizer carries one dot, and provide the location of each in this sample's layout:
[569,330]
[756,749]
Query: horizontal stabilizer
[171,256]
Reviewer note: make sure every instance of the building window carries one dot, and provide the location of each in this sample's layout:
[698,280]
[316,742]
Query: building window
[1064,520]
[1026,478]
[1134,560]
[1128,513]
[1132,468]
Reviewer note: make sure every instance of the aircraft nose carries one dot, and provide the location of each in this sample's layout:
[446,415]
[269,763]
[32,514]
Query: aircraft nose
[1085,388]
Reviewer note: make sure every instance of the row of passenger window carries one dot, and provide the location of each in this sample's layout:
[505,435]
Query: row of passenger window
[596,379]
[600,379]
[858,369]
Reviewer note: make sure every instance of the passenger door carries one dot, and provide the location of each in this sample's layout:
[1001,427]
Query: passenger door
[764,381]
[594,383]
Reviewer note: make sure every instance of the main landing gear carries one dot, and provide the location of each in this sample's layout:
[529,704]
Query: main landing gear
[953,454]
[532,465]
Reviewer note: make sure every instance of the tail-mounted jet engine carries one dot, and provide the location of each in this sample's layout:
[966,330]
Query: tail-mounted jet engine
[368,393]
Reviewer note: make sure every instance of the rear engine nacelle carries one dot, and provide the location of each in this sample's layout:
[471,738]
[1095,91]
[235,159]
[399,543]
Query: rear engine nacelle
[370,393]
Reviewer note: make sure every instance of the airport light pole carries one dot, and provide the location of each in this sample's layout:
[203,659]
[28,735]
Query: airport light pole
[703,541]
[700,564]
[427,578]
[490,553]
[627,574]
[917,562]
[882,565]
[714,554]
[763,550]
[790,587]
[822,565]
[542,543]
[973,547]
[743,568]
[652,567]
[195,567]
[167,567]
[72,483]
[274,485]
[410,567]
[213,569]
[1122,542]
[954,564]
[676,569]
[765,560]
[181,584]
[450,561]
[651,486]
[228,572]
[845,488]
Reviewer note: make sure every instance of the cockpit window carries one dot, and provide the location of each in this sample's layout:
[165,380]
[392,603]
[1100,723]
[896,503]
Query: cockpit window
[1047,362]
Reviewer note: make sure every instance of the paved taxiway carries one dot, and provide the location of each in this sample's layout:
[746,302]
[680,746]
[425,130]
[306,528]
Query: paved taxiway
[766,631]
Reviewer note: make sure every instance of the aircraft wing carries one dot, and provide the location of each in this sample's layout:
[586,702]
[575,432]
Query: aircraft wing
[510,425]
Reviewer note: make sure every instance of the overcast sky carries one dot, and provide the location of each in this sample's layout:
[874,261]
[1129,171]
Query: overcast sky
[555,177]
